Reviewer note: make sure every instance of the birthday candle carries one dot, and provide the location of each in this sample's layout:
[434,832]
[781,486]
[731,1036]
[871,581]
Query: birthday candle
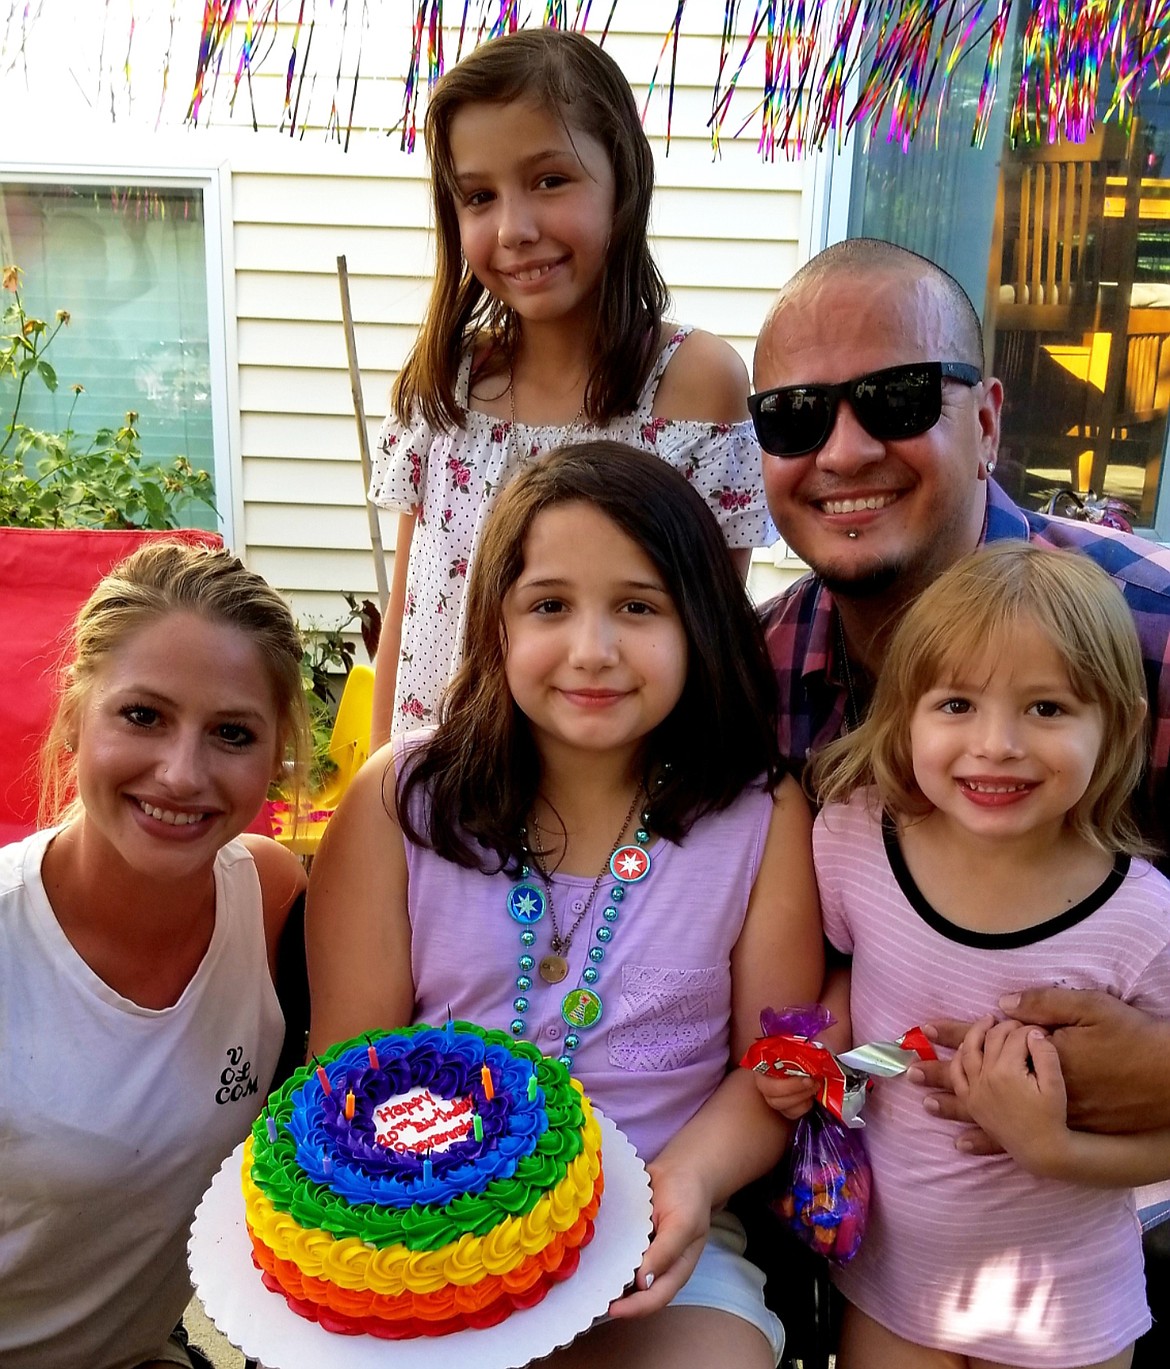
[326,1087]
[373,1054]
[349,1105]
[428,1172]
[450,1028]
[477,1126]
[532,1087]
[326,1165]
[489,1090]
[271,1128]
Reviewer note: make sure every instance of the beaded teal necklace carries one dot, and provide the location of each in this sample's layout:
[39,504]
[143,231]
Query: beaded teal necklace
[527,903]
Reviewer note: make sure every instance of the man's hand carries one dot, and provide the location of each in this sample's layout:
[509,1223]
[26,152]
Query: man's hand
[936,1075]
[1115,1059]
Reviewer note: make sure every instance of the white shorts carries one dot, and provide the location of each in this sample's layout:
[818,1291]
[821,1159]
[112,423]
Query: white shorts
[723,1279]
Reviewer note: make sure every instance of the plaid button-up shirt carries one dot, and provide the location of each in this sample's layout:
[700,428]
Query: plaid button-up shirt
[800,628]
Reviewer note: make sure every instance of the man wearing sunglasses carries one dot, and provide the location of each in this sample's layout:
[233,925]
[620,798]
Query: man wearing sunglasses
[880,433]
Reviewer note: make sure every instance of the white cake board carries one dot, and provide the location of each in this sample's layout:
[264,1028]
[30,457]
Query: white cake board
[265,1328]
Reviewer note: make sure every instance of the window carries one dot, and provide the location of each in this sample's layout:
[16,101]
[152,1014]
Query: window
[1081,317]
[138,265]
[1065,251]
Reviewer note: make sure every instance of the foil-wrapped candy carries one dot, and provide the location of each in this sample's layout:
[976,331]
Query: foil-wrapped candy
[827,1178]
[789,1047]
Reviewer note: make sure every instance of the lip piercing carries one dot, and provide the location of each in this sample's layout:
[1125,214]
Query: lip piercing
[852,534]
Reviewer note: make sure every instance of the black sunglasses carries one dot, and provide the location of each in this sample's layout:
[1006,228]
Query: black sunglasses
[901,401]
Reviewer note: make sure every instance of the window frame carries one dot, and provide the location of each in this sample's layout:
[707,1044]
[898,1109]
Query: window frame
[213,182]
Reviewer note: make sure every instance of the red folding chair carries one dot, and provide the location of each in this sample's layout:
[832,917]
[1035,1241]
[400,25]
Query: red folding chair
[45,577]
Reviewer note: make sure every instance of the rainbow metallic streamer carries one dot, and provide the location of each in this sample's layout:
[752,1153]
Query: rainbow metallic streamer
[556,14]
[429,20]
[290,109]
[1064,49]
[462,30]
[671,41]
[217,22]
[834,79]
[721,98]
[166,69]
[827,67]
[507,20]
[989,85]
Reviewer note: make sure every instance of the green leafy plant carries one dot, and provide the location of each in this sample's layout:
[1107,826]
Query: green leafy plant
[328,653]
[58,480]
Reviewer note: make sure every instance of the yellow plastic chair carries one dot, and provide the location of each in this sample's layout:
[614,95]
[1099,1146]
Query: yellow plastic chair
[349,749]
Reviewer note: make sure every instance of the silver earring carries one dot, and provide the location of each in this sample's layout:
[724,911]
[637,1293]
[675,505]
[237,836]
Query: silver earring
[991,466]
[69,748]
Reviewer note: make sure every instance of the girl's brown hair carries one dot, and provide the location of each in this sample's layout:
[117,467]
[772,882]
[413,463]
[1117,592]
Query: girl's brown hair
[480,769]
[175,577]
[972,610]
[573,79]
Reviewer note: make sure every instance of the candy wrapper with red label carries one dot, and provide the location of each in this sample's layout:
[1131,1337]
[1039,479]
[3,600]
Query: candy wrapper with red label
[827,1177]
[826,1186]
[788,1047]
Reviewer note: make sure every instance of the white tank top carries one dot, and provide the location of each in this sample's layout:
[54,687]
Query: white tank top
[113,1119]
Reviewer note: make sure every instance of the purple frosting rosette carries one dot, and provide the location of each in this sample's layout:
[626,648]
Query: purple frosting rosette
[363,1171]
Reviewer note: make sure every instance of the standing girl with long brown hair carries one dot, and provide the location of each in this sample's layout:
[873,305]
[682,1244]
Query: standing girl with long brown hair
[546,324]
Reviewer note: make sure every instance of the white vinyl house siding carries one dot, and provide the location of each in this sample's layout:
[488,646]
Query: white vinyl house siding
[305,526]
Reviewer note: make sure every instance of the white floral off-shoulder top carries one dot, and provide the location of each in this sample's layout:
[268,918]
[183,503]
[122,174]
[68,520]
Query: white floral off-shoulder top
[450,481]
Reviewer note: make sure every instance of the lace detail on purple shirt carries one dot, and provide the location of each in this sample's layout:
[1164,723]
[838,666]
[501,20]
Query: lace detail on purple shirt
[662,1018]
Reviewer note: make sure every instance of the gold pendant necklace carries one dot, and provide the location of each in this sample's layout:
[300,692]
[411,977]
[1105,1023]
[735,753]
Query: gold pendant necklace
[570,431]
[553,967]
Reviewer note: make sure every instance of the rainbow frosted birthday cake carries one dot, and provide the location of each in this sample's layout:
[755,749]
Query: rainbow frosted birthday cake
[422,1181]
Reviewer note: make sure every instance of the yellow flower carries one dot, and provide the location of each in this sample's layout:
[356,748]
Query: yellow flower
[63,316]
[11,277]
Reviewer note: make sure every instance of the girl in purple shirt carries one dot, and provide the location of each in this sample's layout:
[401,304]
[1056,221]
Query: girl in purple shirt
[586,853]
